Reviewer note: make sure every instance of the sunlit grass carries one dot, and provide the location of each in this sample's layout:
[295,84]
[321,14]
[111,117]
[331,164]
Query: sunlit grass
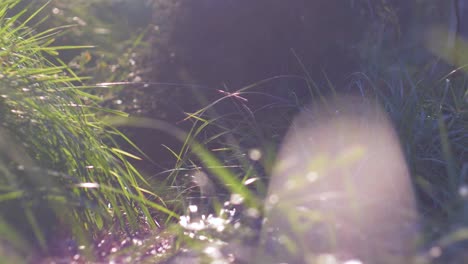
[61,168]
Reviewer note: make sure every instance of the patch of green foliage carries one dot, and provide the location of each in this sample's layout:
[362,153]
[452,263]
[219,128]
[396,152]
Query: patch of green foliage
[61,169]
[118,32]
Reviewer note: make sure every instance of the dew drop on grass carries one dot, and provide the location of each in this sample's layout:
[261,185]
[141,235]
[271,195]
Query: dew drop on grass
[18,112]
[463,191]
[101,243]
[435,252]
[124,242]
[327,259]
[253,212]
[250,180]
[236,199]
[255,154]
[353,261]
[290,185]
[102,31]
[88,185]
[193,208]
[312,176]
[137,242]
[213,252]
[273,199]
[80,21]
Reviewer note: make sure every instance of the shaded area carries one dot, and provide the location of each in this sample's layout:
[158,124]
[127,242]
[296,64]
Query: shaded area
[240,42]
[227,45]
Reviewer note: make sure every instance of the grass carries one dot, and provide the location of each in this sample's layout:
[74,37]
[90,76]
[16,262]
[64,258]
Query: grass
[430,115]
[63,173]
[61,168]
[115,29]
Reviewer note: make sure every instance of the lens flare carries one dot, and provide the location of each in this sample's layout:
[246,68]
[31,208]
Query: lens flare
[352,194]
